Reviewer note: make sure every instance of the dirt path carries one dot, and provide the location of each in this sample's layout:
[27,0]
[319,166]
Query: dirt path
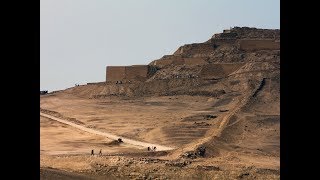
[108,135]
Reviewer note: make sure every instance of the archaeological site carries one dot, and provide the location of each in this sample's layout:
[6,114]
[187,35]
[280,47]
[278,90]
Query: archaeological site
[210,110]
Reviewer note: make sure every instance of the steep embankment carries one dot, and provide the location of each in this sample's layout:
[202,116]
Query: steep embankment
[255,129]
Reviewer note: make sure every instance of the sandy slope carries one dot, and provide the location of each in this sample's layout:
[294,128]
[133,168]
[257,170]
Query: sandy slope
[242,140]
[108,135]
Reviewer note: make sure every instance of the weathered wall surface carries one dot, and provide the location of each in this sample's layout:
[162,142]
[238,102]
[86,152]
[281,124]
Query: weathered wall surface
[178,60]
[251,45]
[225,35]
[165,60]
[194,61]
[194,49]
[219,70]
[115,73]
[119,73]
[133,72]
[229,68]
[254,33]
[162,62]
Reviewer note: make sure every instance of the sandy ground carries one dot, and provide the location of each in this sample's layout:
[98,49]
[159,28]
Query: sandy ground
[139,144]
[248,147]
[158,120]
[58,138]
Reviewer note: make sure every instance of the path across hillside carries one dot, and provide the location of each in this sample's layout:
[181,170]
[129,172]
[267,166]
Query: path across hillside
[108,135]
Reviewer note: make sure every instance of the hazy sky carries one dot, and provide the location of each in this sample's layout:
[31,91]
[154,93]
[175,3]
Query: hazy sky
[79,38]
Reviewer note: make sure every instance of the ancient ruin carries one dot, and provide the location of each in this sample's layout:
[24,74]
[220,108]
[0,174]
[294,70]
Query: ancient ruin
[236,40]
[211,109]
[129,73]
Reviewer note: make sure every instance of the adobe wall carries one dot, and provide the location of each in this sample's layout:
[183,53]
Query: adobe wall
[225,35]
[133,72]
[194,61]
[251,45]
[223,41]
[167,60]
[178,60]
[193,49]
[254,33]
[229,68]
[162,62]
[219,70]
[115,73]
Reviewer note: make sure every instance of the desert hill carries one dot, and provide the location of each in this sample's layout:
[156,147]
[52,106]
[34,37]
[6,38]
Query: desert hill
[222,94]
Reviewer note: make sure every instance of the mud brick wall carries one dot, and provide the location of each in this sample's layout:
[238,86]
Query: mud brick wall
[219,70]
[228,35]
[222,41]
[194,61]
[167,61]
[120,73]
[192,49]
[133,72]
[229,68]
[251,45]
[115,73]
[177,60]
[162,62]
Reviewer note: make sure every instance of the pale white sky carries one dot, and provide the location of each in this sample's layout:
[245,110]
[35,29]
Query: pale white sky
[79,38]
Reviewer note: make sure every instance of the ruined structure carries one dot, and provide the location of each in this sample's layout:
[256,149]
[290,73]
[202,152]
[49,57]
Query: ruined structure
[228,46]
[129,73]
[261,44]
[179,60]
[220,56]
[219,99]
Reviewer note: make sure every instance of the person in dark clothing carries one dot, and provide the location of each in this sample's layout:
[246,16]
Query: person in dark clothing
[148,148]
[92,152]
[154,148]
[100,152]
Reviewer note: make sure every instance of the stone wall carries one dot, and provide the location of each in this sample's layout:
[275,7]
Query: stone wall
[266,44]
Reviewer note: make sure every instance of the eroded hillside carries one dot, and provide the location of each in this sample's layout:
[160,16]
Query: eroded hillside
[222,94]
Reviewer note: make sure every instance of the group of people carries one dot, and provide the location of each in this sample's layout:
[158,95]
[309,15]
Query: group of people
[100,152]
[152,148]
